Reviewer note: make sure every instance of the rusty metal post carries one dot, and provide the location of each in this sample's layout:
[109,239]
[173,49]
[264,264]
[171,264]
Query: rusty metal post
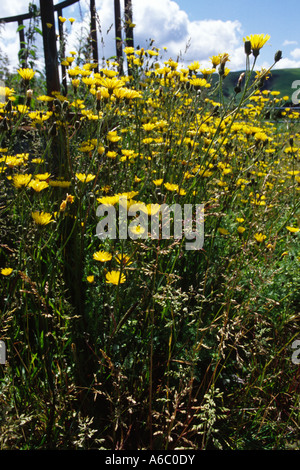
[94,33]
[50,49]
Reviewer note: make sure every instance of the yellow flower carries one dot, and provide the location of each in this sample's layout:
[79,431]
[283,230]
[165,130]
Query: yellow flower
[42,176]
[215,60]
[257,42]
[241,229]
[90,279]
[38,185]
[151,209]
[129,50]
[71,20]
[124,259]
[6,271]
[108,200]
[111,154]
[26,74]
[148,126]
[112,136]
[171,187]
[115,277]
[158,182]
[223,231]
[261,136]
[7,92]
[41,218]
[259,237]
[111,83]
[45,98]
[102,256]
[194,66]
[21,180]
[60,184]
[85,178]
[63,206]
[70,198]
[61,19]
[199,82]
[137,230]
[22,108]
[293,229]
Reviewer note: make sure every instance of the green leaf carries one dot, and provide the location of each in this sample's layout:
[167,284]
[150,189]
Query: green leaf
[20,27]
[38,31]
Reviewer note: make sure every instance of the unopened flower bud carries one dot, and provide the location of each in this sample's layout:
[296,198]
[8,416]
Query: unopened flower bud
[241,78]
[278,56]
[29,94]
[65,106]
[57,105]
[247,46]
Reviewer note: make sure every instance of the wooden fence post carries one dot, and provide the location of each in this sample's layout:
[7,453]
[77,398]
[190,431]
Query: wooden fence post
[128,23]
[62,51]
[118,32]
[50,50]
[22,54]
[94,34]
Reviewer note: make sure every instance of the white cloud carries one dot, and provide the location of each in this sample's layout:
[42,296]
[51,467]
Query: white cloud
[289,43]
[161,20]
[286,63]
[295,53]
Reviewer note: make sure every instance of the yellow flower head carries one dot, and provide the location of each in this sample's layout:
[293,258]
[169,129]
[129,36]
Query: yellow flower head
[199,82]
[158,182]
[85,178]
[20,181]
[41,218]
[102,256]
[259,237]
[115,277]
[257,42]
[293,229]
[6,271]
[137,230]
[38,185]
[26,74]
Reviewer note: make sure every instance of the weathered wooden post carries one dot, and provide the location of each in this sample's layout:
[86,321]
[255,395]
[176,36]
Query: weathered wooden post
[94,34]
[62,50]
[118,31]
[128,23]
[50,50]
[22,55]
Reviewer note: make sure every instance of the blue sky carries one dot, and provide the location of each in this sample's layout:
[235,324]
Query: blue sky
[190,29]
[278,18]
